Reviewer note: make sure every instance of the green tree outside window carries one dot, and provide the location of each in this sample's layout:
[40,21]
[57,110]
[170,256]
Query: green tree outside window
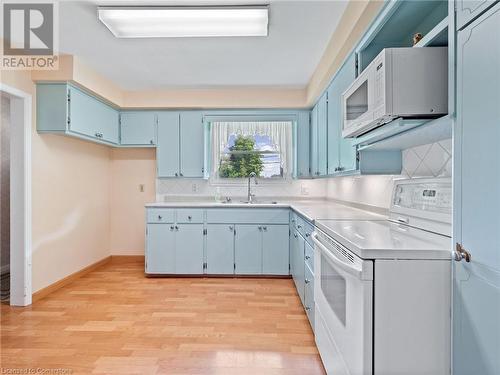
[242,159]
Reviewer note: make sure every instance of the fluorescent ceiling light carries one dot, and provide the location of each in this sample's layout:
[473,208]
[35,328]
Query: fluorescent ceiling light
[172,22]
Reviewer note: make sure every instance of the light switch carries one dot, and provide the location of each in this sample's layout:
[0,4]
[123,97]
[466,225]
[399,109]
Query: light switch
[141,188]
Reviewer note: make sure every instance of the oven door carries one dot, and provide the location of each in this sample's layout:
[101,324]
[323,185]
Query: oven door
[343,294]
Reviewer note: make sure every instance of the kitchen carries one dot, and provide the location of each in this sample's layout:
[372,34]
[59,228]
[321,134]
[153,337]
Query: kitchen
[194,194]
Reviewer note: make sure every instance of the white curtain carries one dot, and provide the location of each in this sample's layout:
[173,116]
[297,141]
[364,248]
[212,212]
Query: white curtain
[280,133]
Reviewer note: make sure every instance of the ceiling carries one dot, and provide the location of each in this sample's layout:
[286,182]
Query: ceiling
[298,34]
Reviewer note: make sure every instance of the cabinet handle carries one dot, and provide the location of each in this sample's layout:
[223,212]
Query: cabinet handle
[308,257]
[299,226]
[151,142]
[308,234]
[176,227]
[307,281]
[265,229]
[176,174]
[231,228]
[160,217]
[171,227]
[260,228]
[308,308]
[180,174]
[295,235]
[189,217]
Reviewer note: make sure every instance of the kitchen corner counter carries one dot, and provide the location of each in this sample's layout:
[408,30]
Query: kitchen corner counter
[311,210]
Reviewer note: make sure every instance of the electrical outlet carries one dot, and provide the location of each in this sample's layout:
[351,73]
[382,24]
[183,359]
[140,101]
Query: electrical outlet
[304,190]
[194,188]
[141,188]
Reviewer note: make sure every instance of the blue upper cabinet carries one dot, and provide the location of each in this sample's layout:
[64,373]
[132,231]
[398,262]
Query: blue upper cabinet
[319,142]
[138,128]
[180,145]
[341,151]
[468,10]
[322,135]
[313,149]
[63,108]
[191,144]
[167,151]
[91,117]
[301,145]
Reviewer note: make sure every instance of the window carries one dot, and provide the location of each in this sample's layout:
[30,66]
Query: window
[242,148]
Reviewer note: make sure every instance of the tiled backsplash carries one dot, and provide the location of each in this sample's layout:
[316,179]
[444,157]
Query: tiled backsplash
[430,160]
[203,188]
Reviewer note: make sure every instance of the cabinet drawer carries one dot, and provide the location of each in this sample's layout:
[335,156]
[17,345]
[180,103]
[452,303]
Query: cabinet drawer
[304,227]
[160,215]
[248,216]
[309,295]
[309,256]
[308,229]
[189,216]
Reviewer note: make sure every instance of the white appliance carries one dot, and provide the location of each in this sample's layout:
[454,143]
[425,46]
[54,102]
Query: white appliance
[399,82]
[382,288]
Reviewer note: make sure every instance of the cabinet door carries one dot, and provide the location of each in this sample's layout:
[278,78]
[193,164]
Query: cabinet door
[302,144]
[275,250]
[322,135]
[476,292]
[341,152]
[189,249]
[300,267]
[91,117]
[467,10]
[167,151]
[160,249]
[220,249]
[248,249]
[192,144]
[313,150]
[309,293]
[138,128]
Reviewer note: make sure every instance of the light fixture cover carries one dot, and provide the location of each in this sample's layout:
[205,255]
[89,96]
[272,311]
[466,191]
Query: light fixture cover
[172,22]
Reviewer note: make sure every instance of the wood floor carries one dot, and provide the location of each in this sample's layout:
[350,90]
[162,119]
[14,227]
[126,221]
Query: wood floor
[116,321]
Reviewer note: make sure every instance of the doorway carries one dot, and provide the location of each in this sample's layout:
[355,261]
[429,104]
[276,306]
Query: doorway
[15,196]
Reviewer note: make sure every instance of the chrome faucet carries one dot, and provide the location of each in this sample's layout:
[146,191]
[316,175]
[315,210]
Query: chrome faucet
[250,195]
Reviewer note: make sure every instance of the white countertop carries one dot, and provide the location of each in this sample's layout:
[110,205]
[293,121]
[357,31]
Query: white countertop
[386,240]
[311,209]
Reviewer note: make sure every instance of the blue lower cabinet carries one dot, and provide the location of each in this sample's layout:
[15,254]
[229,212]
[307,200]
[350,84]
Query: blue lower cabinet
[298,276]
[309,293]
[160,249]
[275,250]
[189,249]
[248,249]
[220,249]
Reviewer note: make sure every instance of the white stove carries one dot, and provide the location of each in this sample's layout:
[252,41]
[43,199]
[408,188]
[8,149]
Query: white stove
[382,288]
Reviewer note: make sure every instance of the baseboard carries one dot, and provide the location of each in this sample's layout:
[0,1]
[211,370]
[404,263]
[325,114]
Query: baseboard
[38,295]
[127,259]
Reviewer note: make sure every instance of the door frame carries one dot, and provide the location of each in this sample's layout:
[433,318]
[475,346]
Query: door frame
[20,195]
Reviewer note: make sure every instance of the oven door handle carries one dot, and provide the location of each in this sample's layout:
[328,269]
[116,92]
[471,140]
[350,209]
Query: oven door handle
[350,268]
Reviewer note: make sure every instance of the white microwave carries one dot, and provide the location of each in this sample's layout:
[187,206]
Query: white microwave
[399,82]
